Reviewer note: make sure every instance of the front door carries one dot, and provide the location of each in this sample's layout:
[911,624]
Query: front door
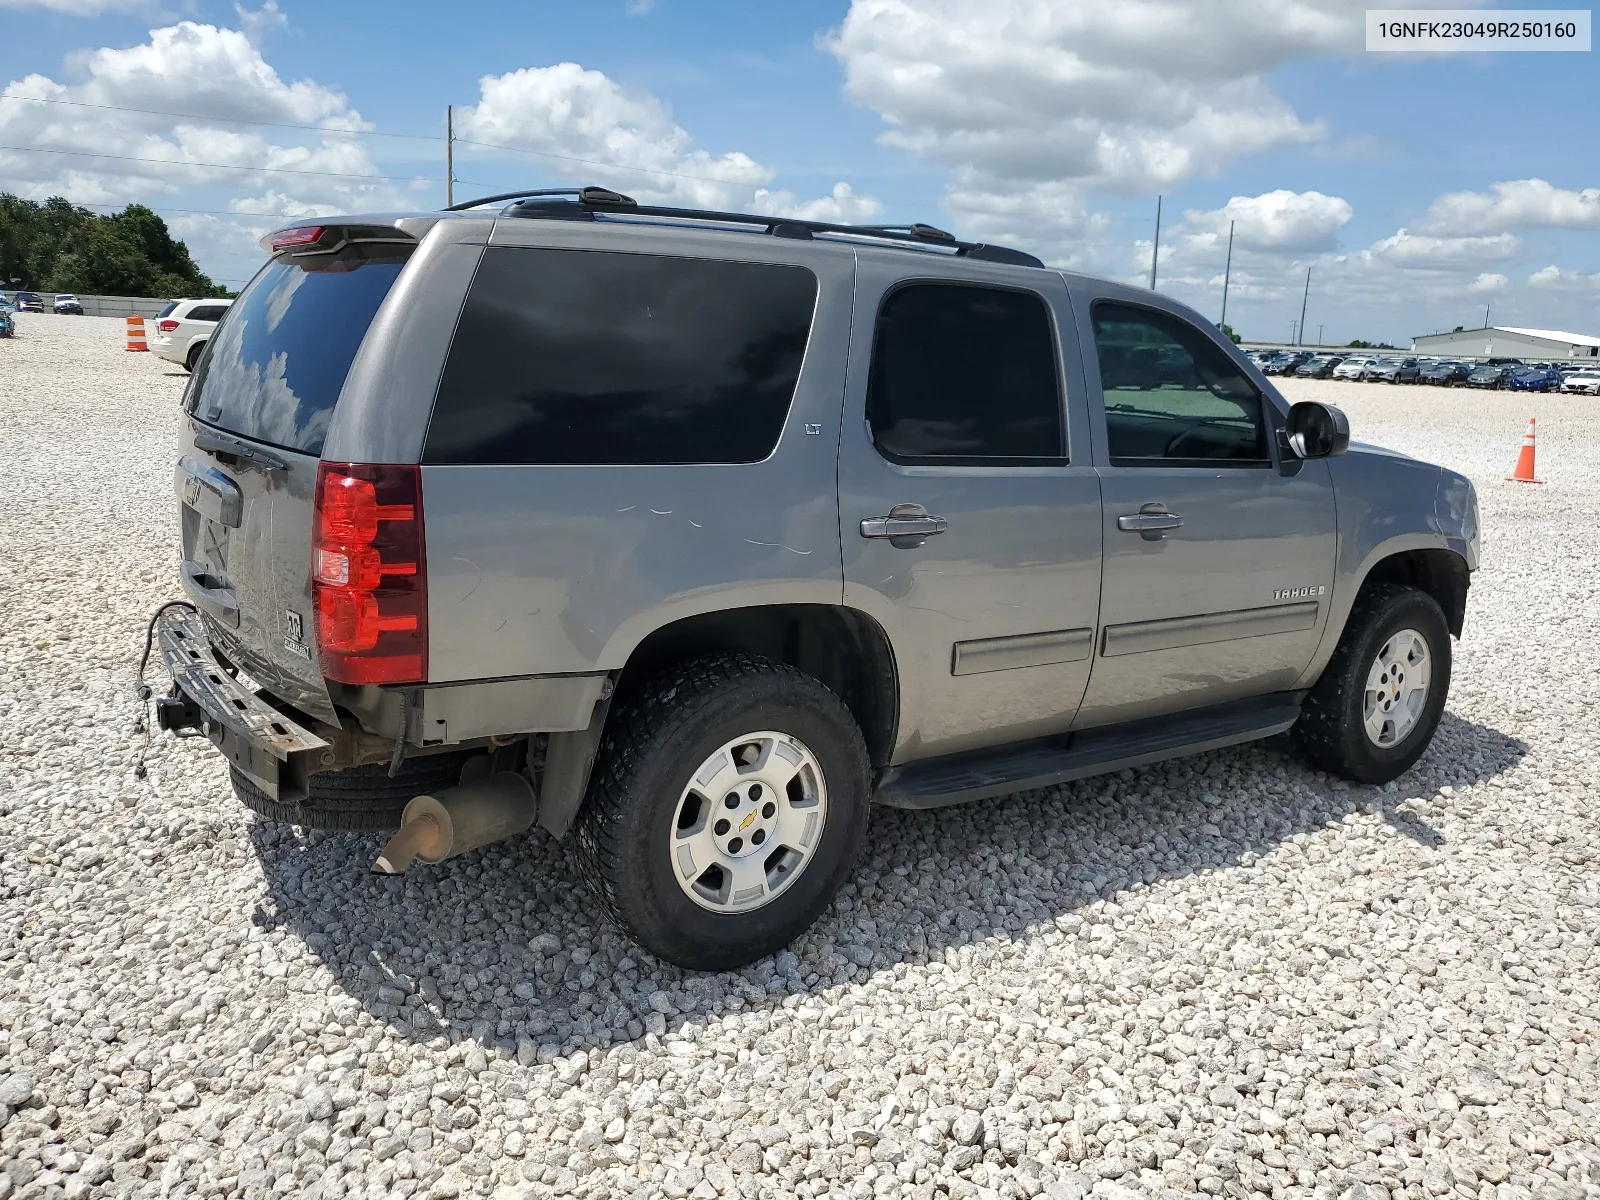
[969,510]
[1218,565]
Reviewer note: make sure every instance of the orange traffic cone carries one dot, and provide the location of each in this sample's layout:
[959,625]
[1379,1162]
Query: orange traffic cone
[136,333]
[1524,471]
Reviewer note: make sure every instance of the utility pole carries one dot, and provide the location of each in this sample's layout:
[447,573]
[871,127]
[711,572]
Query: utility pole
[1155,247]
[1304,300]
[1227,271]
[449,155]
[1320,328]
[1486,313]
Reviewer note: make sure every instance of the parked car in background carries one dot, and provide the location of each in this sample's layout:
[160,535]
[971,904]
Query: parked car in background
[1286,364]
[1491,375]
[29,302]
[1353,368]
[1319,367]
[1444,374]
[68,305]
[184,327]
[1534,379]
[1582,383]
[1395,370]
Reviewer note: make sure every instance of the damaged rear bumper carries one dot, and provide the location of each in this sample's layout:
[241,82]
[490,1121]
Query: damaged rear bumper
[206,700]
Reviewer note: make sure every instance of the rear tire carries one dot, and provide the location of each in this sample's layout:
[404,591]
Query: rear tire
[648,856]
[193,357]
[1333,730]
[357,799]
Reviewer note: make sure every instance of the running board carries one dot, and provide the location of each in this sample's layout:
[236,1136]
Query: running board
[1001,770]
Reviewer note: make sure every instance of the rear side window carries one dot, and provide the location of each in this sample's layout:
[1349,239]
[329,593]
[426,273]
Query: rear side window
[583,356]
[277,365]
[207,312]
[965,374]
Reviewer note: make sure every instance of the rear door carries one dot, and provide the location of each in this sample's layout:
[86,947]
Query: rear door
[259,407]
[1218,565]
[965,419]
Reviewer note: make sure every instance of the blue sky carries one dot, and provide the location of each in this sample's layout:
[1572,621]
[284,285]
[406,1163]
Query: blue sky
[1417,189]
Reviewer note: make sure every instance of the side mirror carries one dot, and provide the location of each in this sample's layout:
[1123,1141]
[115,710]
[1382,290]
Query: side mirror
[1318,430]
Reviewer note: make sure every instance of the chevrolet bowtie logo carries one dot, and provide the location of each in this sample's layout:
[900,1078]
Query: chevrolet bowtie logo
[745,824]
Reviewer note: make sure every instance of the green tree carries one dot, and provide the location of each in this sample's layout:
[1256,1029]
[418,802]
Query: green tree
[1234,337]
[54,246]
[1358,344]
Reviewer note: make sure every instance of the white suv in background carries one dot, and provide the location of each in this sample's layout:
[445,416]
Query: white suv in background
[184,327]
[1354,368]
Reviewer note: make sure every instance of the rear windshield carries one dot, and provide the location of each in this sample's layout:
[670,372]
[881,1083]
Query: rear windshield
[278,362]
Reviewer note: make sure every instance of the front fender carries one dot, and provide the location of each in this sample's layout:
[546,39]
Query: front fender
[1389,504]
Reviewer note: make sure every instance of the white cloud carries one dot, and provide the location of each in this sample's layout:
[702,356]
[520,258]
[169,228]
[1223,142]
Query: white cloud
[592,127]
[1514,204]
[1281,221]
[191,68]
[1421,251]
[1558,279]
[186,67]
[640,8]
[1131,96]
[1488,282]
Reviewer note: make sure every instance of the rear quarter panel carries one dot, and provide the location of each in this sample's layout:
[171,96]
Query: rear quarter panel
[552,569]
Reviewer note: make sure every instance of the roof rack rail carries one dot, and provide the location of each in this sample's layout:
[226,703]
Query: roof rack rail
[582,204]
[585,195]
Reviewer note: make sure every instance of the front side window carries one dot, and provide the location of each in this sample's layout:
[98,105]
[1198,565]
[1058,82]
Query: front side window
[1172,398]
[965,374]
[595,357]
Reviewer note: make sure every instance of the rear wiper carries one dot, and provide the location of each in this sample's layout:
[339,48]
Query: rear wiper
[251,456]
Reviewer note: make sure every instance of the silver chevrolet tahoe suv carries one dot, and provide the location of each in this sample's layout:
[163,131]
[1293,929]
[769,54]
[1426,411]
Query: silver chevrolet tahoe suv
[689,536]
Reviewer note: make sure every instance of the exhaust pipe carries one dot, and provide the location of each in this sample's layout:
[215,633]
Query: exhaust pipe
[458,819]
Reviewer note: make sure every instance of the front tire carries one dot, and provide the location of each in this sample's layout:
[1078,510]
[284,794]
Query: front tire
[692,767]
[1374,710]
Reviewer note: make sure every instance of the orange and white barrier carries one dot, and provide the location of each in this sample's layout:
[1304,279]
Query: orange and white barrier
[136,334]
[1524,469]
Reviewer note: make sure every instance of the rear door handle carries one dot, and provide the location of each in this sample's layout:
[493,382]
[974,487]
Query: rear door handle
[1151,522]
[896,527]
[904,521]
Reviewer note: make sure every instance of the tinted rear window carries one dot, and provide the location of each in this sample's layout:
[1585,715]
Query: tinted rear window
[171,304]
[278,362]
[584,356]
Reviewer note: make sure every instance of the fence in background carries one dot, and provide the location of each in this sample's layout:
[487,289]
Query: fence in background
[104,306]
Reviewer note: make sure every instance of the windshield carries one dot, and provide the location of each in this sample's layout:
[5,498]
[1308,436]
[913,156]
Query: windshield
[280,355]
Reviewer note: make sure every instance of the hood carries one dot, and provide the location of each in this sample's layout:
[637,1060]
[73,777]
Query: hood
[1367,448]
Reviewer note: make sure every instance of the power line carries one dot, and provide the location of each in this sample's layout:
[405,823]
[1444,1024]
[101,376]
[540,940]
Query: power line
[423,137]
[160,112]
[172,162]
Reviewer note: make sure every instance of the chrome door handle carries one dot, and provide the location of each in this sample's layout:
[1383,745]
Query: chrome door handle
[1151,522]
[1142,522]
[906,526]
[899,527]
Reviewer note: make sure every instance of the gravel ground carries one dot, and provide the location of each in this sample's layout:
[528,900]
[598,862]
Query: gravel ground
[1223,976]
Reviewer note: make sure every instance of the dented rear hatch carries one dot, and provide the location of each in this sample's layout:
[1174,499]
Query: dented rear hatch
[259,407]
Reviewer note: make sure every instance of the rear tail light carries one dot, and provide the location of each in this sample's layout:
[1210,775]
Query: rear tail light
[369,582]
[166,326]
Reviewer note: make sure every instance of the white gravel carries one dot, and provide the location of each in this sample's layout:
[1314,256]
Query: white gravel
[1225,976]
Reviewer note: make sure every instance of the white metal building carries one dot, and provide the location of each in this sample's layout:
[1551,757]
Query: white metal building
[1501,341]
